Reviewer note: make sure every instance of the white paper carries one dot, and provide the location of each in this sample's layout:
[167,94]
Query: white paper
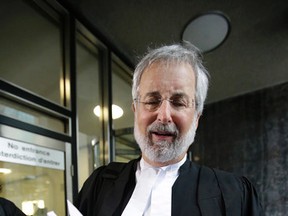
[73,211]
[51,213]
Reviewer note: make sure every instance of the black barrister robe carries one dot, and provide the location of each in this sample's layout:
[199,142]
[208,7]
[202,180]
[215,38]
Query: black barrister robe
[8,208]
[197,191]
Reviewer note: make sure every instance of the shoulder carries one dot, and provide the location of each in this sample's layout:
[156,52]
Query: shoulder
[234,181]
[10,208]
[115,169]
[227,177]
[237,191]
[100,181]
[228,181]
[111,171]
[222,178]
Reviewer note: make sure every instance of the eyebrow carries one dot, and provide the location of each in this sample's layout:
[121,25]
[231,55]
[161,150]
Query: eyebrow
[157,94]
[180,94]
[152,94]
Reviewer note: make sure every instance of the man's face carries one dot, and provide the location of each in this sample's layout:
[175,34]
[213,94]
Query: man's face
[164,131]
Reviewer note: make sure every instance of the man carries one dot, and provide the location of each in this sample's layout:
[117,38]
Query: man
[8,208]
[169,89]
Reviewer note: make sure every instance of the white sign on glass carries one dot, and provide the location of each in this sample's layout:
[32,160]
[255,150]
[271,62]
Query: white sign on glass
[23,153]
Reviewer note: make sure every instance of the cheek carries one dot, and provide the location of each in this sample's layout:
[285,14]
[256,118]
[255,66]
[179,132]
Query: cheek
[184,123]
[143,120]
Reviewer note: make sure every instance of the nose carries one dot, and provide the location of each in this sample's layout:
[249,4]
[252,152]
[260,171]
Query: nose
[165,112]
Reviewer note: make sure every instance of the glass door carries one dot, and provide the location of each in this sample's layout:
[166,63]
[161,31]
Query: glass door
[33,175]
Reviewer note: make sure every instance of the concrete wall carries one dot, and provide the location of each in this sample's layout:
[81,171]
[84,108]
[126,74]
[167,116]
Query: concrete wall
[248,135]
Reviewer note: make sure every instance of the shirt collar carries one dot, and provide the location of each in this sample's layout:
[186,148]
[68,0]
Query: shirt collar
[172,167]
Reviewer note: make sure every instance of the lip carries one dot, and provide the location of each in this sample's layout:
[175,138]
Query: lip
[162,136]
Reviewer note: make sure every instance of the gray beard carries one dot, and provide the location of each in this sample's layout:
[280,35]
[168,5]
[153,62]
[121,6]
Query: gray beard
[164,151]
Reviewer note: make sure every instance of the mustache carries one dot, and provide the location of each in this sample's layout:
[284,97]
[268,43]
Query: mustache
[163,128]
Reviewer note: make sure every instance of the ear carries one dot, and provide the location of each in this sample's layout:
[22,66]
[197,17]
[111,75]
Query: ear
[197,120]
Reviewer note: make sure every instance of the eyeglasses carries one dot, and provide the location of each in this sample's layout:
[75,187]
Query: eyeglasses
[179,103]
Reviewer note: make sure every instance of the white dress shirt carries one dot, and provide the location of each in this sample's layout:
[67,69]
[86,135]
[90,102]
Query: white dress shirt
[152,195]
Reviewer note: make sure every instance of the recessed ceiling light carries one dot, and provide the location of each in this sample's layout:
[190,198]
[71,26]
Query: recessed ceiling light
[117,111]
[5,171]
[207,31]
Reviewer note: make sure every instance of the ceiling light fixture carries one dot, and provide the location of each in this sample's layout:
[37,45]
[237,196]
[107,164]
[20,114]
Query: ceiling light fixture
[207,31]
[117,111]
[5,171]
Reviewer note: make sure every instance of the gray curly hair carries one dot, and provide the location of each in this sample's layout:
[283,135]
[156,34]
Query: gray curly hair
[181,53]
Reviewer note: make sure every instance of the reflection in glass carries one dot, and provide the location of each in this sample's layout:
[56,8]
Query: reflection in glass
[27,114]
[125,145]
[87,99]
[30,49]
[33,189]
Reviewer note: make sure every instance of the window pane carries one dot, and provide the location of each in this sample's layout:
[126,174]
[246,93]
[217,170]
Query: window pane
[33,189]
[27,114]
[126,147]
[32,176]
[30,49]
[87,99]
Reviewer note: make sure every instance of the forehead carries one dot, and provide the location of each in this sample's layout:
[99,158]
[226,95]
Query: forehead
[168,78]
